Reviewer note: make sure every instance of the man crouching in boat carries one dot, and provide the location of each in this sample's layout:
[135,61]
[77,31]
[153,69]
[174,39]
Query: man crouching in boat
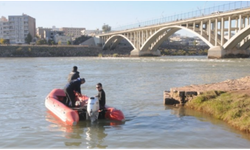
[71,88]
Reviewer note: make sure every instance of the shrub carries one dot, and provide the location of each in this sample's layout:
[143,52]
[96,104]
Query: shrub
[115,55]
[100,55]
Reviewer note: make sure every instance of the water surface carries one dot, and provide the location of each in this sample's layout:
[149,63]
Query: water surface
[134,85]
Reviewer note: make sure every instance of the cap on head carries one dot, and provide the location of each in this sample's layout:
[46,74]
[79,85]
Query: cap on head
[75,68]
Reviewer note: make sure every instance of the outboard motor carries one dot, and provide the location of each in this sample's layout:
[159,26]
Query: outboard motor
[92,108]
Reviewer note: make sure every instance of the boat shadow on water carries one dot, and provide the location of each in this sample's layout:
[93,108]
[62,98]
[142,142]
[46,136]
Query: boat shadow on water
[85,134]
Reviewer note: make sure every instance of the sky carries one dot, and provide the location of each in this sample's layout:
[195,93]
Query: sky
[93,15]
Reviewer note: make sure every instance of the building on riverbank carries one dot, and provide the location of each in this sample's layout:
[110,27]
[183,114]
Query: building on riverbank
[20,27]
[4,28]
[16,28]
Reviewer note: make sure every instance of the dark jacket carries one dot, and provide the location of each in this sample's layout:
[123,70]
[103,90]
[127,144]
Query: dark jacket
[102,98]
[74,85]
[73,75]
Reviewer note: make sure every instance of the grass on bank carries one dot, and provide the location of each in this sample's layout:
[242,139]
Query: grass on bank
[231,107]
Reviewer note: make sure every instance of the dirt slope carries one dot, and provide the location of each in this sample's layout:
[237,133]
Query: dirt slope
[241,85]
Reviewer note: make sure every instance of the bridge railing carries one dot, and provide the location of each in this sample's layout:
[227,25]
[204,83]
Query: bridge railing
[188,15]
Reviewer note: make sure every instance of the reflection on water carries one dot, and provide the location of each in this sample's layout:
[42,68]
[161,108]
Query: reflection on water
[94,133]
[183,112]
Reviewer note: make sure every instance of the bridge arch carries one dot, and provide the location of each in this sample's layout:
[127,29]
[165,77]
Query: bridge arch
[210,28]
[114,40]
[245,45]
[230,44]
[169,31]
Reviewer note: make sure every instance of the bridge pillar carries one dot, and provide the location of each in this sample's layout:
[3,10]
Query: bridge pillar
[216,52]
[136,52]
[220,52]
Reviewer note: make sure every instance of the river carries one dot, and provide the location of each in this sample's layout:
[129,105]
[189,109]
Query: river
[133,85]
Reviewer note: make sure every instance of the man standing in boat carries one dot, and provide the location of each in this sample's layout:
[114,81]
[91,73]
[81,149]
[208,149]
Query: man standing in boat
[102,100]
[74,74]
[71,88]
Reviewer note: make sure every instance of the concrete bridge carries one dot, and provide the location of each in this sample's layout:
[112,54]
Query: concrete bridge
[227,33]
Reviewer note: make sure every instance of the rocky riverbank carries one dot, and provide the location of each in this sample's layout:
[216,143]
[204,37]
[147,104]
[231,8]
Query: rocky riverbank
[228,100]
[187,93]
[241,85]
[60,51]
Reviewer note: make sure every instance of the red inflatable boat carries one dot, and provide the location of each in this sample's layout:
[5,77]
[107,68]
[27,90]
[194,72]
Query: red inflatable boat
[71,116]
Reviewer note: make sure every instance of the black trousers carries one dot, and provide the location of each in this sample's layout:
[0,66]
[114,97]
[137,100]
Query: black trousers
[102,114]
[70,97]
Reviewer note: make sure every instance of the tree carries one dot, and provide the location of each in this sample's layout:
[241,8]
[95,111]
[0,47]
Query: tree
[4,41]
[68,43]
[41,42]
[28,39]
[106,28]
[80,39]
[50,42]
